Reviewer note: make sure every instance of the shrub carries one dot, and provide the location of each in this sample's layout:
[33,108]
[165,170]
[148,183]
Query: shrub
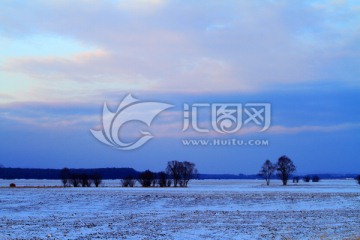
[129,181]
[96,178]
[75,180]
[306,179]
[296,179]
[315,178]
[146,179]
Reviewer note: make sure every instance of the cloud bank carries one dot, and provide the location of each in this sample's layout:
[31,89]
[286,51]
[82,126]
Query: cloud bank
[169,46]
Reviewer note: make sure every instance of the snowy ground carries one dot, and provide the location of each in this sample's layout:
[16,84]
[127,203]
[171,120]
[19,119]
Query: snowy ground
[209,209]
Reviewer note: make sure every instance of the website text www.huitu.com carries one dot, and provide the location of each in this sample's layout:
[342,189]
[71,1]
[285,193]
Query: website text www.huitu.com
[225,142]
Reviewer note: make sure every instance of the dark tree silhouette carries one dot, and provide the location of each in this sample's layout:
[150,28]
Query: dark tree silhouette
[146,178]
[85,180]
[181,172]
[162,179]
[128,181]
[267,171]
[306,178]
[154,181]
[358,179]
[285,167]
[296,179]
[75,180]
[188,171]
[64,176]
[315,178]
[174,170]
[168,182]
[96,178]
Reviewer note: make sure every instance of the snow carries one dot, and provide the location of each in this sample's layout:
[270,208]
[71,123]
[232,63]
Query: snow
[207,209]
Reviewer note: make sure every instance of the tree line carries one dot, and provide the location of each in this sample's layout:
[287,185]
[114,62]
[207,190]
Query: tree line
[40,173]
[69,178]
[176,174]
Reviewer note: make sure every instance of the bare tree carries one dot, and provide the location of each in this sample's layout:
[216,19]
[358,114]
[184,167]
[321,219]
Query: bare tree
[267,171]
[174,170]
[296,179]
[188,171]
[306,178]
[128,181]
[285,167]
[75,180]
[168,182]
[181,182]
[181,172]
[162,179]
[358,179]
[96,179]
[315,178]
[146,178]
[85,180]
[64,176]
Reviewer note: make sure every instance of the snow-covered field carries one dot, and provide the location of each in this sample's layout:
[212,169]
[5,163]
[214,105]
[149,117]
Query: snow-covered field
[209,209]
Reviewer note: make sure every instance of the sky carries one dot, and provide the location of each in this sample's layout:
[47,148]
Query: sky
[60,61]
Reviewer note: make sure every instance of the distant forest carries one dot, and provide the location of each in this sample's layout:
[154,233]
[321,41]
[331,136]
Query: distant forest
[119,173]
[39,173]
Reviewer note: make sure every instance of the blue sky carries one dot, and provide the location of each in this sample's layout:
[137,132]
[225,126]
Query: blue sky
[61,60]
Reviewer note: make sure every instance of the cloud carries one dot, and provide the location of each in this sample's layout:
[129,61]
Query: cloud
[173,130]
[5,96]
[143,6]
[168,124]
[232,46]
[74,67]
[55,122]
[308,128]
[57,116]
